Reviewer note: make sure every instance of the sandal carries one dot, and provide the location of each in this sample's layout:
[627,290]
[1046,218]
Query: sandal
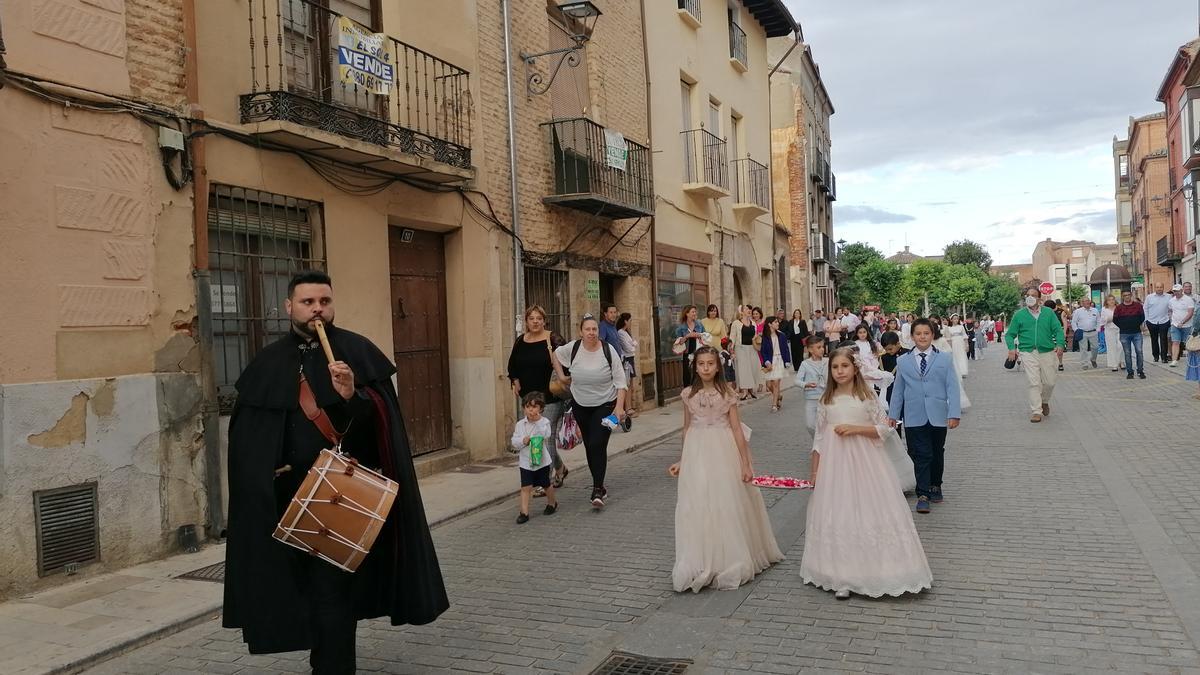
[558,479]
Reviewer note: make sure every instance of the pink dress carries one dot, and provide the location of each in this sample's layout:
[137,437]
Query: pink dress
[860,535]
[723,536]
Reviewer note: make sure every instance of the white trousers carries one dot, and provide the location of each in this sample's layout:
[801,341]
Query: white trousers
[1041,370]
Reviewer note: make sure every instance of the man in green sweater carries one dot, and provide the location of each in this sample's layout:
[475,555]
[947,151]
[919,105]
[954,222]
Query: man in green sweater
[1037,334]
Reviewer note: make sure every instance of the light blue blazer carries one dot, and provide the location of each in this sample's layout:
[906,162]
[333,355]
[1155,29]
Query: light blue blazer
[932,399]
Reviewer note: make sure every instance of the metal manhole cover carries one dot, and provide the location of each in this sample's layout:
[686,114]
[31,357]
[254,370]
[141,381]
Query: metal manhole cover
[619,663]
[211,573]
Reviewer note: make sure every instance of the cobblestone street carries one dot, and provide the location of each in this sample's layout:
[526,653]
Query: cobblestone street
[1063,547]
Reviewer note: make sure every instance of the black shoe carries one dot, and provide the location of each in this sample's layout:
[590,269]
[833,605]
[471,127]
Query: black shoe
[1129,376]
[1141,376]
[597,498]
[523,518]
[1060,367]
[558,480]
[550,509]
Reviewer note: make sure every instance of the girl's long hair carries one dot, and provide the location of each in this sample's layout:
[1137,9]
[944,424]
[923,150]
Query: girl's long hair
[719,383]
[858,385]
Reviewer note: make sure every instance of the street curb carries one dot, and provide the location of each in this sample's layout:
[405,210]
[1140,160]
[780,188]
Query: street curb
[125,646]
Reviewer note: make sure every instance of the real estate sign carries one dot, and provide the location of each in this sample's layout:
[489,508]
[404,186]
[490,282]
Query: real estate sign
[363,59]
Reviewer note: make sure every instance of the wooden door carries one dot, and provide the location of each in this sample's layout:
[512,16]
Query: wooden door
[418,279]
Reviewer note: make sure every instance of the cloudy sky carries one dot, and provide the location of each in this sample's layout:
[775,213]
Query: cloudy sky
[987,120]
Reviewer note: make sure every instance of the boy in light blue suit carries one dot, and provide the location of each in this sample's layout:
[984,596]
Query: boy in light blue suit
[926,396]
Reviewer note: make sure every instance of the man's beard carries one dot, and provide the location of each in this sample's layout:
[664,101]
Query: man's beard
[302,328]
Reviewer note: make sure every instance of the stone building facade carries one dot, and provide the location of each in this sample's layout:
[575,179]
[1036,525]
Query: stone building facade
[101,450]
[1149,196]
[805,186]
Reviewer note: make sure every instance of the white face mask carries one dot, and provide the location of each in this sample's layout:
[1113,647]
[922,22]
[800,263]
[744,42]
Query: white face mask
[1030,301]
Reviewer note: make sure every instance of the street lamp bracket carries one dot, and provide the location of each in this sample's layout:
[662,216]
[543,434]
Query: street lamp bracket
[580,20]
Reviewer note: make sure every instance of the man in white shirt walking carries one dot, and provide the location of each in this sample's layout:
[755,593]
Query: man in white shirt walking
[1158,320]
[1181,307]
[850,323]
[1087,319]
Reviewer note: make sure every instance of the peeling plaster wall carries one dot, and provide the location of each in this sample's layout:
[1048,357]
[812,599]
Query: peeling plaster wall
[138,437]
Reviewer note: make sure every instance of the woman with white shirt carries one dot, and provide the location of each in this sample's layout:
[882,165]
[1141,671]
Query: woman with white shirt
[1112,335]
[629,345]
[598,388]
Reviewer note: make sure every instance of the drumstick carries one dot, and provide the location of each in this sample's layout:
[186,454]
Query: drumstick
[320,326]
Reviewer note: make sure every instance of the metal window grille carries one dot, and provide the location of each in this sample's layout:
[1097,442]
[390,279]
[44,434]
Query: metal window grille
[67,521]
[691,6]
[257,242]
[704,158]
[737,42]
[550,289]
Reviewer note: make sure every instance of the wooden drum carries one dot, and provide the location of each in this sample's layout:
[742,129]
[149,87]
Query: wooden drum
[338,511]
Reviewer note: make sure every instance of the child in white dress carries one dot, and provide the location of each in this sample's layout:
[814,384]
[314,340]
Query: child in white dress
[723,536]
[860,535]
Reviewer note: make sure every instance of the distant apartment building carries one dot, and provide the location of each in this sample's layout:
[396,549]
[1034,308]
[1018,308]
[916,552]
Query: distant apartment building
[1149,195]
[1180,95]
[805,186]
[1070,262]
[1124,202]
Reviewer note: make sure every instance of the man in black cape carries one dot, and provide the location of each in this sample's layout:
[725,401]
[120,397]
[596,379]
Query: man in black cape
[282,598]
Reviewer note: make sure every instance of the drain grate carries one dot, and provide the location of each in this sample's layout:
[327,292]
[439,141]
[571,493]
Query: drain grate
[211,573]
[620,663]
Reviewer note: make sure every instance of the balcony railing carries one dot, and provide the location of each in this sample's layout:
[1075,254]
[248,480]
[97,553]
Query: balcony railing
[737,44]
[818,167]
[823,249]
[392,94]
[692,7]
[832,187]
[598,171]
[752,185]
[1168,252]
[704,163]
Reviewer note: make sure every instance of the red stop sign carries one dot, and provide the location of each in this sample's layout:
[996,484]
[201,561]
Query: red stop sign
[1046,288]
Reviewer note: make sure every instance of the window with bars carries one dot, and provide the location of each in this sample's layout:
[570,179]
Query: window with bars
[257,242]
[550,290]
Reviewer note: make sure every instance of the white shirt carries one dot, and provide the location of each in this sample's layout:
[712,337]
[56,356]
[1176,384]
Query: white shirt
[1156,308]
[906,340]
[593,383]
[850,322]
[1085,319]
[525,428]
[1181,309]
[629,344]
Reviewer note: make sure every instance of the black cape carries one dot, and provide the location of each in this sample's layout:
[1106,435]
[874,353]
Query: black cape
[264,583]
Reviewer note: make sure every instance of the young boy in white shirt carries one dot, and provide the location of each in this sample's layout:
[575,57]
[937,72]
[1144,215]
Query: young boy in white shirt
[530,438]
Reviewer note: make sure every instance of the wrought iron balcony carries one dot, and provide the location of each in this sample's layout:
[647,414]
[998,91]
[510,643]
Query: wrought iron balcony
[832,187]
[598,171]
[316,68]
[689,11]
[737,48]
[817,168]
[823,249]
[705,169]
[1168,252]
[751,188]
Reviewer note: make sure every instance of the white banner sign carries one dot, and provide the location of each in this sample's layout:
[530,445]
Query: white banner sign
[616,153]
[363,59]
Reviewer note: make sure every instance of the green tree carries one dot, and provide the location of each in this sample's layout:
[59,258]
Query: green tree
[1001,295]
[964,291]
[922,281]
[967,252]
[1074,292]
[851,258]
[880,282]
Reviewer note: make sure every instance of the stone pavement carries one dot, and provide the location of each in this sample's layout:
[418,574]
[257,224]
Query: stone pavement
[1069,546]
[64,628]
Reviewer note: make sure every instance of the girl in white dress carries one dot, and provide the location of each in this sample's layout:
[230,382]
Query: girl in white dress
[941,344]
[860,536]
[957,334]
[1112,335]
[723,536]
[868,350]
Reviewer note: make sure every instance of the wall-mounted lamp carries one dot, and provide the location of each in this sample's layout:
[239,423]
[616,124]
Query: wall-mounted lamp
[580,20]
[1189,192]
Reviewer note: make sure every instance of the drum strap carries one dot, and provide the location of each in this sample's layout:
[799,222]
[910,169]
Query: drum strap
[314,413]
